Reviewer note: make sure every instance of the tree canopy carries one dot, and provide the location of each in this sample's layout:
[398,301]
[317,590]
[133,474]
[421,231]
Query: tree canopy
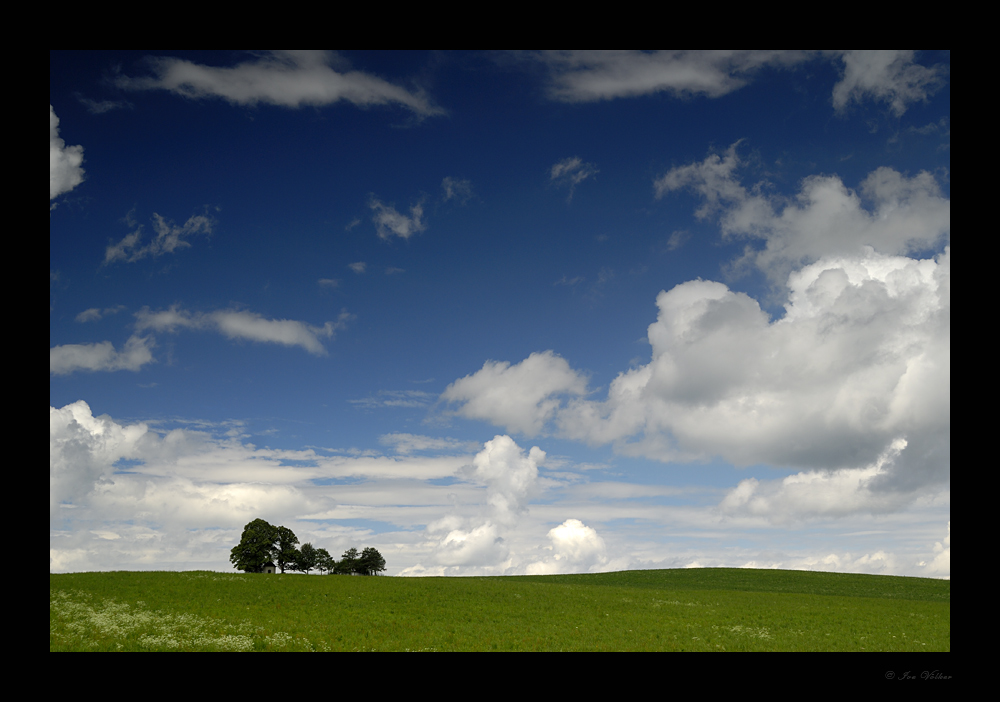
[256,548]
[264,543]
[371,562]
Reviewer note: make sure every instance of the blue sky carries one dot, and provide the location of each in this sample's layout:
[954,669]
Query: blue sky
[502,313]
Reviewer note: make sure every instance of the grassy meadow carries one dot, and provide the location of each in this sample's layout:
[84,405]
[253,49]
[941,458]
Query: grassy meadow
[705,609]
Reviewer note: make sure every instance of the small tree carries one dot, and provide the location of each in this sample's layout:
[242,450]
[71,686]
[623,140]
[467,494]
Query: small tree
[255,548]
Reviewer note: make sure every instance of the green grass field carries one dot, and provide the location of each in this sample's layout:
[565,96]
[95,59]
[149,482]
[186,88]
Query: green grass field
[709,609]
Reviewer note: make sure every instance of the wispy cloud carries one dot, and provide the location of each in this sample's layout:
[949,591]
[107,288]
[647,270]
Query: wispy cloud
[389,222]
[99,107]
[457,189]
[241,324]
[570,172]
[95,313]
[286,78]
[396,398]
[169,237]
[585,76]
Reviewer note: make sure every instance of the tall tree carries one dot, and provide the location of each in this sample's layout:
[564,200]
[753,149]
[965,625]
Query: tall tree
[256,547]
[348,562]
[324,561]
[285,552]
[371,562]
[307,558]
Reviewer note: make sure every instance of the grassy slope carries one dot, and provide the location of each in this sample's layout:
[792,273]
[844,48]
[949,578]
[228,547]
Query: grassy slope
[696,609]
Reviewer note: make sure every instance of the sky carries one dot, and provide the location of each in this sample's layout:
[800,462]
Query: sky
[502,313]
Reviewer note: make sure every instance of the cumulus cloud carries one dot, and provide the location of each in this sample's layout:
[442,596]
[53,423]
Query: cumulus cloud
[575,547]
[242,324]
[511,478]
[890,212]
[169,237]
[885,75]
[102,356]
[287,78]
[389,222]
[182,496]
[358,267]
[859,362]
[65,171]
[479,541]
[83,450]
[830,493]
[570,172]
[521,397]
[141,495]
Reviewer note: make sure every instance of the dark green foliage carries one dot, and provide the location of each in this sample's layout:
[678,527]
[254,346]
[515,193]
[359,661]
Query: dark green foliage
[256,548]
[371,562]
[324,561]
[306,559]
[347,562]
[286,555]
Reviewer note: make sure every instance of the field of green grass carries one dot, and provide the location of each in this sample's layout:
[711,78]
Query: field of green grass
[705,609]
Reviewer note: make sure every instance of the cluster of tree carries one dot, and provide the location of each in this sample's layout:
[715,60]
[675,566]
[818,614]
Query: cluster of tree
[264,544]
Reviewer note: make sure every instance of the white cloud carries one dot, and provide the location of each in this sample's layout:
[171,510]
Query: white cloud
[831,493]
[480,541]
[890,212]
[575,547]
[585,76]
[570,172]
[94,313]
[860,361]
[138,495]
[480,546]
[940,564]
[389,222]
[169,238]
[241,324]
[358,267]
[410,443]
[511,478]
[101,356]
[521,397]
[286,78]
[65,171]
[83,449]
[885,75]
